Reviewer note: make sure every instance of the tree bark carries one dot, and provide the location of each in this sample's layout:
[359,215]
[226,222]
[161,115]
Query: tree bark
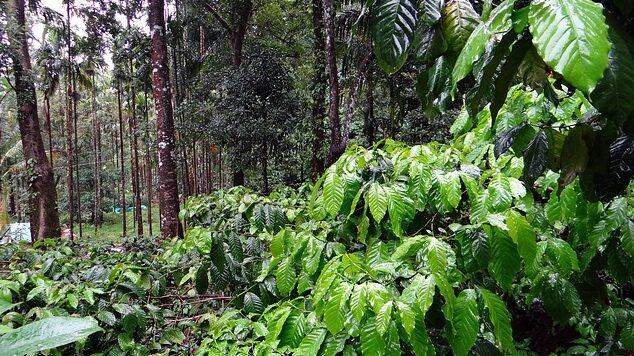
[168,188]
[69,128]
[121,159]
[336,143]
[368,122]
[148,163]
[318,90]
[44,218]
[76,156]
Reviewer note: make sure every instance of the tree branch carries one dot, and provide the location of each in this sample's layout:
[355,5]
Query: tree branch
[212,10]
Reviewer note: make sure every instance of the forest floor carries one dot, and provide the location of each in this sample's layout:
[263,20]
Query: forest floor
[112,227]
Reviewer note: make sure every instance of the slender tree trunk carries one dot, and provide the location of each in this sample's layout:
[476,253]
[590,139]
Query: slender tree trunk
[96,128]
[136,180]
[47,102]
[121,157]
[352,100]
[69,129]
[336,143]
[44,218]
[76,157]
[168,188]
[318,90]
[368,121]
[148,164]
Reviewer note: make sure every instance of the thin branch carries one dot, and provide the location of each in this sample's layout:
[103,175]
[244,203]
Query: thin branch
[218,17]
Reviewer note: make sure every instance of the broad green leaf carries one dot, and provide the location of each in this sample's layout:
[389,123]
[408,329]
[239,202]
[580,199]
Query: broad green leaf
[372,343]
[4,306]
[408,248]
[432,85]
[523,235]
[252,303]
[446,290]
[384,317]
[276,322]
[400,208]
[202,278]
[572,38]
[172,336]
[334,190]
[612,96]
[500,318]
[46,334]
[505,260]
[312,342]
[499,22]
[450,188]
[475,250]
[627,238]
[325,280]
[430,11]
[574,155]
[458,21]
[285,275]
[407,316]
[377,201]
[334,314]
[437,255]
[294,329]
[420,341]
[466,322]
[333,345]
[393,25]
[500,192]
[358,301]
[278,243]
[312,256]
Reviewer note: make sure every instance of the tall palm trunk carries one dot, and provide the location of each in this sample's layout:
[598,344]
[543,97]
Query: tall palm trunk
[165,135]
[44,218]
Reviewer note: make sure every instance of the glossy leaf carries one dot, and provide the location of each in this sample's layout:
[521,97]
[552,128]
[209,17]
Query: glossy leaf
[500,318]
[46,334]
[394,22]
[466,322]
[572,38]
[499,22]
[459,20]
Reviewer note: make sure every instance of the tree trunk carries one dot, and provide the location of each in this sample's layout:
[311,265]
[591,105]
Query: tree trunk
[239,32]
[47,102]
[148,164]
[76,156]
[44,218]
[168,188]
[136,177]
[96,129]
[121,158]
[318,90]
[69,129]
[368,122]
[336,143]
